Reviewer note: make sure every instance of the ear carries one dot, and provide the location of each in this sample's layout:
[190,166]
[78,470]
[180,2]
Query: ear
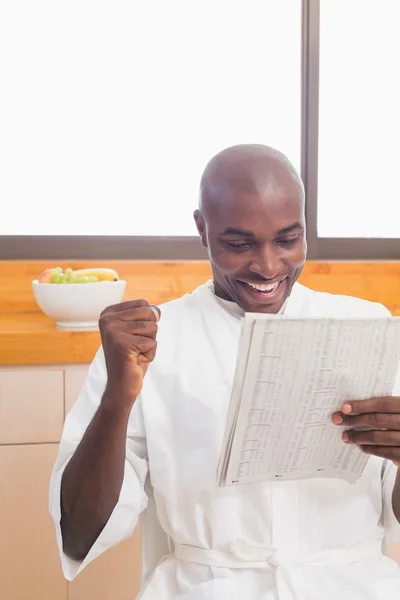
[201,228]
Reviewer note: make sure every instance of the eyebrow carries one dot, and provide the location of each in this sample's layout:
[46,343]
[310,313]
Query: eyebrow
[233,231]
[285,230]
[244,233]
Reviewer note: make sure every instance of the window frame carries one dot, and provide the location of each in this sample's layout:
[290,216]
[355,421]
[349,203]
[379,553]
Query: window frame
[188,247]
[326,248]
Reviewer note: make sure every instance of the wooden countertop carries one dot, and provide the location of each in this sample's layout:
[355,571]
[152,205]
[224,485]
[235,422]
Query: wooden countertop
[28,337]
[33,339]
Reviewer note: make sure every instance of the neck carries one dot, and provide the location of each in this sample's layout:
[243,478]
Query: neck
[220,293]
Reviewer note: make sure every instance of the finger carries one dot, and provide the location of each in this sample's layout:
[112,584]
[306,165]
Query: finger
[372,438]
[371,420]
[391,453]
[114,331]
[145,313]
[137,345]
[148,347]
[157,311]
[386,404]
[338,418]
[143,328]
[141,313]
[128,305]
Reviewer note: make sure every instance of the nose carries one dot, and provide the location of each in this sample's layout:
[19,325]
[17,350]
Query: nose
[266,262]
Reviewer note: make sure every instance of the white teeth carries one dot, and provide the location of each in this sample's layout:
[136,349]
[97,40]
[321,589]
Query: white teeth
[270,287]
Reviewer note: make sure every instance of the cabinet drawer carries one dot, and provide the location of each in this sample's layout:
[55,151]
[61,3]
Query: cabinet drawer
[74,380]
[393,550]
[31,406]
[115,574]
[30,567]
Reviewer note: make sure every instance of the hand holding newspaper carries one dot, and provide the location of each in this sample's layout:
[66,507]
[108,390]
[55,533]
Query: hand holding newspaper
[292,374]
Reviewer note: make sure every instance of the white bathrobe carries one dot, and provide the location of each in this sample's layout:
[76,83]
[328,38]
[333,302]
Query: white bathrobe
[316,539]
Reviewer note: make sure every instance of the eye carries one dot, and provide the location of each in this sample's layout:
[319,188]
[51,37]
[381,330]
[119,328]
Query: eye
[238,245]
[288,241]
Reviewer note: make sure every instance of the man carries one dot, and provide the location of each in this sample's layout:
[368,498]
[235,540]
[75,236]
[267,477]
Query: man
[164,415]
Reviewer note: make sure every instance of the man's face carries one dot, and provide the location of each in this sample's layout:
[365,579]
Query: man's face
[256,245]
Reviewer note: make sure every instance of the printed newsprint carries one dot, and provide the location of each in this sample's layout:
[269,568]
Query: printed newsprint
[292,374]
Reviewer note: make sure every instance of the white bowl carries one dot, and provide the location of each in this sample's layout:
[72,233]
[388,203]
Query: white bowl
[77,305]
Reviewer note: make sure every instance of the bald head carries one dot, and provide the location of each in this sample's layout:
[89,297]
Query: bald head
[251,220]
[247,168]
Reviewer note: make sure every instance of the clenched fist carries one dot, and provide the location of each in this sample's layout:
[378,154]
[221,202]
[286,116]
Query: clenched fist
[128,333]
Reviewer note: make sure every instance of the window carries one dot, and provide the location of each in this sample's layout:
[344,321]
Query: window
[359,127]
[110,110]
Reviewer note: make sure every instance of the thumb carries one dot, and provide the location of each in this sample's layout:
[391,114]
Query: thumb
[156,311]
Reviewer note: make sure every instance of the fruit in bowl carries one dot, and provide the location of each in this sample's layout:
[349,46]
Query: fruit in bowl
[78,276]
[74,306]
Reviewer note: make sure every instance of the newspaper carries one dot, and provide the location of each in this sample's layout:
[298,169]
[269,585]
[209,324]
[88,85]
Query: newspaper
[292,374]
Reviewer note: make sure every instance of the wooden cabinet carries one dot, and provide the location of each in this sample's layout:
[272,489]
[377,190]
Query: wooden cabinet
[74,381]
[393,550]
[33,404]
[29,560]
[115,574]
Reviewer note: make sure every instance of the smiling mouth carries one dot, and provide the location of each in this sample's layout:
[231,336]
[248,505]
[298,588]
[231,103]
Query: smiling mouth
[267,289]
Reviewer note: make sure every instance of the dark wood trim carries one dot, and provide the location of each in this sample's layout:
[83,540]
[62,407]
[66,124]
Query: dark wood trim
[358,249]
[309,119]
[16,247]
